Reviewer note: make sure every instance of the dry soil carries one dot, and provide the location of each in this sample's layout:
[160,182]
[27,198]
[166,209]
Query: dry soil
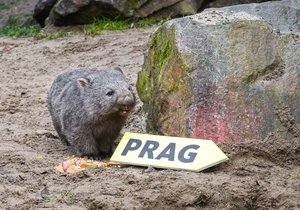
[262,174]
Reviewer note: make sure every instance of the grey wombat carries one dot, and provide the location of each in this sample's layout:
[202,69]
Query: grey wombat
[89,108]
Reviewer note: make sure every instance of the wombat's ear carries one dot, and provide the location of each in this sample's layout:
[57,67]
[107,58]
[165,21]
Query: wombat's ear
[83,82]
[118,69]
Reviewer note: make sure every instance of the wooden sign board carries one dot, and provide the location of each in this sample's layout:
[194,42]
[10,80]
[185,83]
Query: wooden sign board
[167,152]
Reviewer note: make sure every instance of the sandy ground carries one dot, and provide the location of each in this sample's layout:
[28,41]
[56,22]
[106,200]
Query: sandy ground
[19,10]
[259,175]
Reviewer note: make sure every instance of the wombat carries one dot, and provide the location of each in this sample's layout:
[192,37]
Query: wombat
[89,108]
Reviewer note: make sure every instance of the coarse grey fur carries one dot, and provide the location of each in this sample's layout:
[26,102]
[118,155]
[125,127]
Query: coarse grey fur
[89,108]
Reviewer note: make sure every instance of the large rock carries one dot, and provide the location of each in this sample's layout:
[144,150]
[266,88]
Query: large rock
[167,9]
[42,10]
[225,3]
[225,74]
[71,12]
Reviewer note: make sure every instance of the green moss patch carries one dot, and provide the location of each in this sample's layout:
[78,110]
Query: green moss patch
[162,84]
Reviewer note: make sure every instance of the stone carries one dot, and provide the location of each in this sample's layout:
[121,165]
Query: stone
[42,10]
[225,74]
[166,9]
[73,12]
[225,3]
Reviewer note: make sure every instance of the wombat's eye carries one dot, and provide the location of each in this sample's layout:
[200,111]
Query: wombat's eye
[129,88]
[110,93]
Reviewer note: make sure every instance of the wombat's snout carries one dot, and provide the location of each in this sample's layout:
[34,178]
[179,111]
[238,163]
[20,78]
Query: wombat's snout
[129,100]
[126,103]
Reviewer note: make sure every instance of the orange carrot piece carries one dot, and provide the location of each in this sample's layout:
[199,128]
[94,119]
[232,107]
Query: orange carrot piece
[83,164]
[72,169]
[59,169]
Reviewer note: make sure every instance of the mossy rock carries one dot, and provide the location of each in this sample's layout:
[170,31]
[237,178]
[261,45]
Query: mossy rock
[163,75]
[225,75]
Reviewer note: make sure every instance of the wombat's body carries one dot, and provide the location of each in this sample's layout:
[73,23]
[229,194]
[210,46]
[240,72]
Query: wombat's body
[89,108]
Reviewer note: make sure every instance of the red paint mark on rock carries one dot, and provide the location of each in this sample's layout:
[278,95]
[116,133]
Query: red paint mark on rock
[229,118]
[208,126]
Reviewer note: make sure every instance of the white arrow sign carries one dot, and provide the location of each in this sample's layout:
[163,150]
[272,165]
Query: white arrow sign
[167,152]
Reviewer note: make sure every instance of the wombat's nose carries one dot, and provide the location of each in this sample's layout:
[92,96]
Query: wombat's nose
[127,100]
[126,103]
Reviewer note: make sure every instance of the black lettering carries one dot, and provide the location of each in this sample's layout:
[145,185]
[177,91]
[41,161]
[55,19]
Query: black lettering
[132,144]
[168,152]
[192,155]
[147,149]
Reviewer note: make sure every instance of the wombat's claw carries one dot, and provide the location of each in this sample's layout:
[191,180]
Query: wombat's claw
[92,157]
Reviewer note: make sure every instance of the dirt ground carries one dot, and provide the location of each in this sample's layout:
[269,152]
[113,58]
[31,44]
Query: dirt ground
[16,10]
[259,174]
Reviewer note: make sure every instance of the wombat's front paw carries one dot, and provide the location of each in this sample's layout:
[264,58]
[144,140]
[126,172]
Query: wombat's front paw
[102,156]
[91,157]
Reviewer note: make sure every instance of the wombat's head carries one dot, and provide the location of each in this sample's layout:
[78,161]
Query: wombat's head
[106,92]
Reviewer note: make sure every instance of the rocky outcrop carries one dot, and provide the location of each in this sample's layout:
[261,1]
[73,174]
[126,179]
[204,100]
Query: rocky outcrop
[225,74]
[167,9]
[72,12]
[42,10]
[225,3]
